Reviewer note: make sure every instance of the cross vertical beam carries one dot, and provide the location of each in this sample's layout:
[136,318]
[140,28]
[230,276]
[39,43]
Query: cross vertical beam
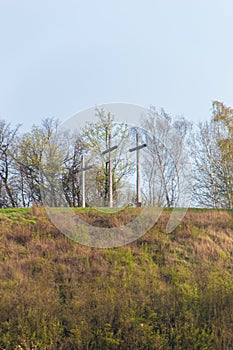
[138,171]
[82,170]
[110,170]
[138,166]
[83,182]
[109,150]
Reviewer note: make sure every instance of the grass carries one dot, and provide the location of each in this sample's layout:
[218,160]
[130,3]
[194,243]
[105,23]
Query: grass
[164,291]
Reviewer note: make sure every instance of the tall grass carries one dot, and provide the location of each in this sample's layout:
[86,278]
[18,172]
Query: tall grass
[163,291]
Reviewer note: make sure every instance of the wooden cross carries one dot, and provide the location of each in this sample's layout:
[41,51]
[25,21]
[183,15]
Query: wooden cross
[82,170]
[109,150]
[138,180]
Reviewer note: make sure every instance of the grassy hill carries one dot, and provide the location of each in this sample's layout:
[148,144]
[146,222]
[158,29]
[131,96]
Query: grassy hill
[163,291]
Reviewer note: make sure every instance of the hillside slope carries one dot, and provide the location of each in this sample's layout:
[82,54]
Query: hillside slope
[164,291]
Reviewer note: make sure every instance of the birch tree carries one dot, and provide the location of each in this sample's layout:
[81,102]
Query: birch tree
[212,153]
[163,160]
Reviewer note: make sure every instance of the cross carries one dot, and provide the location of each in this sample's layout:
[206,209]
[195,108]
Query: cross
[109,150]
[138,180]
[82,170]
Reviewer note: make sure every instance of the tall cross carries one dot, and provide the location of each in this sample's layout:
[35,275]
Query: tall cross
[109,150]
[138,180]
[82,170]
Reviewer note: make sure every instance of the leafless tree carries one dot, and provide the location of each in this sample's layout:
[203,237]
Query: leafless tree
[8,174]
[212,162]
[163,166]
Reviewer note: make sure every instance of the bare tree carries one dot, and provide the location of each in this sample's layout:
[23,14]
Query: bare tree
[164,160]
[71,171]
[207,167]
[212,155]
[8,174]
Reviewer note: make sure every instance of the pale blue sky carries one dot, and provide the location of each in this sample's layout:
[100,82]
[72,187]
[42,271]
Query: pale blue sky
[59,57]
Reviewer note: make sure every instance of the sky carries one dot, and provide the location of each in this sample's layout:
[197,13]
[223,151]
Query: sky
[61,57]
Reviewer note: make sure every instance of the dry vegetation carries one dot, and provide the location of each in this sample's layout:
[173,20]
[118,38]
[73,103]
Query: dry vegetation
[164,291]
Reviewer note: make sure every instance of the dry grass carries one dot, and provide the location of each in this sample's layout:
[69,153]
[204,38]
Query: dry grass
[56,291]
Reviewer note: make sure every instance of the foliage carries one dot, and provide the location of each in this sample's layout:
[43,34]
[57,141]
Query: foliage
[8,187]
[48,159]
[223,117]
[96,138]
[212,153]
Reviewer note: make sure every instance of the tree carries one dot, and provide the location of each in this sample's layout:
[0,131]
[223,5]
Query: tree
[70,173]
[29,157]
[212,158]
[8,173]
[223,117]
[95,139]
[207,167]
[47,160]
[163,166]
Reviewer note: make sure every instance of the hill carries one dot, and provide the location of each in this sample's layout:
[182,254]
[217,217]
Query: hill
[163,291]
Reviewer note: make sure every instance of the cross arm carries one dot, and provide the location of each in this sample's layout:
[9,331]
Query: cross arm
[82,169]
[110,149]
[138,147]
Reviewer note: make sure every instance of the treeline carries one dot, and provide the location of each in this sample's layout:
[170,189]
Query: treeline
[179,159]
